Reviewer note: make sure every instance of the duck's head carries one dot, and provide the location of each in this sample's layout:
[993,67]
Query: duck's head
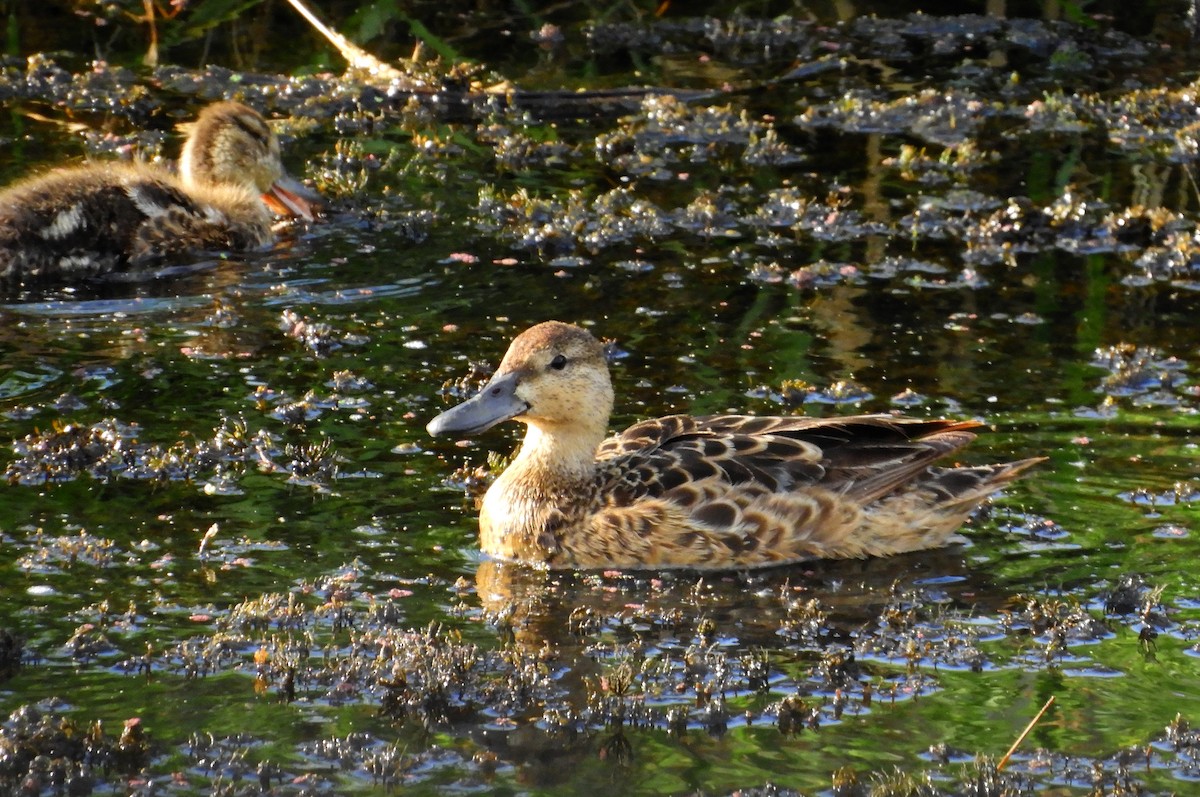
[231,144]
[553,378]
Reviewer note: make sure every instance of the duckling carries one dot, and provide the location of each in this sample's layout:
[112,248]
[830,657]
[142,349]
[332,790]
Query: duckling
[714,492]
[82,221]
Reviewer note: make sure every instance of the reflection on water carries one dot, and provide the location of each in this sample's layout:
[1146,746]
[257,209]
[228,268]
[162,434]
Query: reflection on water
[537,605]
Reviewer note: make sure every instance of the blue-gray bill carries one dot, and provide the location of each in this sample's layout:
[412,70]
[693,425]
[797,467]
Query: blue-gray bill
[497,402]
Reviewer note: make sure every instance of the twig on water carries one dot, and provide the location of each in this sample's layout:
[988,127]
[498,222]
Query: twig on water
[1024,733]
[355,55]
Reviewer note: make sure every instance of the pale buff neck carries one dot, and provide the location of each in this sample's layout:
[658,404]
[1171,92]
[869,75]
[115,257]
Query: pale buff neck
[560,452]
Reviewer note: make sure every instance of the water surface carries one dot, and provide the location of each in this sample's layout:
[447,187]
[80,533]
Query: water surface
[257,551]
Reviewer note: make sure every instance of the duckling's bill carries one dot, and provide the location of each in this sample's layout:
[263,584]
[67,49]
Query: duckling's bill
[290,197]
[497,402]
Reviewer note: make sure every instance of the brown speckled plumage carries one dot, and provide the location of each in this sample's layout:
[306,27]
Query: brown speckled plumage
[725,491]
[80,221]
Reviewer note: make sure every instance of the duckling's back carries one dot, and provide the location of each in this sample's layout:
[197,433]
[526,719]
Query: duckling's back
[78,222]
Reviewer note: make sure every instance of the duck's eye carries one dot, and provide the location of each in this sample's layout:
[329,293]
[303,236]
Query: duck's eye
[559,362]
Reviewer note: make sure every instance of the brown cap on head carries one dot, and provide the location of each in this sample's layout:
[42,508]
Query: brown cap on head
[550,336]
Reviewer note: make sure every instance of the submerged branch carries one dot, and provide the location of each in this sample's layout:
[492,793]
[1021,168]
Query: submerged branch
[1024,733]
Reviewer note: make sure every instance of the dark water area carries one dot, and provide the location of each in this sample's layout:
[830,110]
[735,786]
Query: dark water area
[229,541]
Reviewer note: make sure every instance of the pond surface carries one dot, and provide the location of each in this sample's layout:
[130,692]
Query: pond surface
[233,556]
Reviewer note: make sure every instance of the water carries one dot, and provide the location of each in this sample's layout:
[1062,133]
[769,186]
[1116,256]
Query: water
[276,569]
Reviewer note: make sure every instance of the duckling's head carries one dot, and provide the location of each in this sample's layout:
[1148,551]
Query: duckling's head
[553,378]
[231,144]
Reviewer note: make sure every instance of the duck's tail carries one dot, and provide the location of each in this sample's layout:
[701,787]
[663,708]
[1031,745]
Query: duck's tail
[928,512]
[966,487]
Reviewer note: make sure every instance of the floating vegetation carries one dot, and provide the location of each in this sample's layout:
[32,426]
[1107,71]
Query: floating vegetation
[69,450]
[52,554]
[314,464]
[110,450]
[793,393]
[44,751]
[434,679]
[1143,377]
[318,337]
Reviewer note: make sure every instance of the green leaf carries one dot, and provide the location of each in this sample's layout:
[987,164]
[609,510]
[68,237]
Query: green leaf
[208,14]
[372,20]
[433,42]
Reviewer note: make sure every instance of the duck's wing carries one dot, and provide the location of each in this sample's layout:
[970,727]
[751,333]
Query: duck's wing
[860,458]
[93,219]
[738,491]
[70,220]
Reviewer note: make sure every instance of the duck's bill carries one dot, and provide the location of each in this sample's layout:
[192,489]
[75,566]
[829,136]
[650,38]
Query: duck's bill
[290,197]
[497,402]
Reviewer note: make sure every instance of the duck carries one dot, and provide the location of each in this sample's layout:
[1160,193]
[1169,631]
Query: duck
[716,492]
[82,221]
